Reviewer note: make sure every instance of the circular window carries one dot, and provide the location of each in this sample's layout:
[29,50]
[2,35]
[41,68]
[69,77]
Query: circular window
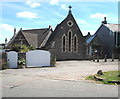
[70,23]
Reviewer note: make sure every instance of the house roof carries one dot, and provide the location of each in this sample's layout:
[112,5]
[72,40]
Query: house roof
[88,40]
[87,36]
[113,27]
[35,36]
[43,43]
[31,38]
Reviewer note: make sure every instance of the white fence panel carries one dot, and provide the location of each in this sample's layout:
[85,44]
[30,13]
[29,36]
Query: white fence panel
[37,58]
[12,59]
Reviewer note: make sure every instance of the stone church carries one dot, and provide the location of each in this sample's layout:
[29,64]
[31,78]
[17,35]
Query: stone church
[66,42]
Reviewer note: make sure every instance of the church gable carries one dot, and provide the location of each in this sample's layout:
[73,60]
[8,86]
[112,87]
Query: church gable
[67,39]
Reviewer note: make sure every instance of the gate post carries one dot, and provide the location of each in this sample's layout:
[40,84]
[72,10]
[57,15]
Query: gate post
[97,58]
[93,57]
[112,57]
[119,57]
[105,58]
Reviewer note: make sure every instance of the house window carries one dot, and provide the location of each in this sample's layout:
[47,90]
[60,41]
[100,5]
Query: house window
[75,43]
[64,43]
[70,41]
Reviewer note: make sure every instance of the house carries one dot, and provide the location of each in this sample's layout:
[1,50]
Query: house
[105,40]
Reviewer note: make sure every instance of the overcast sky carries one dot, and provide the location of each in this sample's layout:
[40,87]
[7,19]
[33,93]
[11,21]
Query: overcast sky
[34,15]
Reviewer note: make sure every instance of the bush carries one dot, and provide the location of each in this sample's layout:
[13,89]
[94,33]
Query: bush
[4,65]
[21,63]
[31,48]
[22,48]
[53,61]
[15,47]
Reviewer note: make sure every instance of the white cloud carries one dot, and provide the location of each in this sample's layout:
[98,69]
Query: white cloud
[6,30]
[98,16]
[27,14]
[33,4]
[58,14]
[53,2]
[6,27]
[63,6]
[82,22]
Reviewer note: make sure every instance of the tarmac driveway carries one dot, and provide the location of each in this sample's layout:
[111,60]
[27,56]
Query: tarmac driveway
[38,82]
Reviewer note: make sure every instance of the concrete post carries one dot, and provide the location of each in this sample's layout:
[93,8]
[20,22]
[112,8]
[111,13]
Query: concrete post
[93,58]
[119,58]
[105,58]
[112,57]
[97,58]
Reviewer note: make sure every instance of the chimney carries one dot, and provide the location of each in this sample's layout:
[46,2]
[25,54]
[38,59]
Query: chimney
[14,31]
[50,27]
[5,40]
[104,22]
[89,33]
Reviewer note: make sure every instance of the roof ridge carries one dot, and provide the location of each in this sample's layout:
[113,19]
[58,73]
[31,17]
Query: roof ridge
[35,29]
[113,23]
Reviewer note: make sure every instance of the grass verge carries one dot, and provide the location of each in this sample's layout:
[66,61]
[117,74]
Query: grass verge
[109,76]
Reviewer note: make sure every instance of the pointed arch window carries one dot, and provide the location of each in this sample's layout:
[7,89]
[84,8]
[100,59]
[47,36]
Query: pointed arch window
[75,43]
[64,43]
[70,41]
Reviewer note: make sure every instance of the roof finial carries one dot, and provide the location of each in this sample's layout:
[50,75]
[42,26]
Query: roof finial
[70,8]
[14,31]
[5,40]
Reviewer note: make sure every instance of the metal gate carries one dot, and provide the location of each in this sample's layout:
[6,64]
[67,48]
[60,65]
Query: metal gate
[37,58]
[12,59]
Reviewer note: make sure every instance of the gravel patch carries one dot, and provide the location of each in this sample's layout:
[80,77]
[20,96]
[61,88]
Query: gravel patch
[66,70]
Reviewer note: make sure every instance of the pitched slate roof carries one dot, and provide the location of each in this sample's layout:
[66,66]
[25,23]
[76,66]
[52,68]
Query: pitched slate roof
[31,38]
[35,36]
[113,27]
[87,36]
[43,43]
[88,40]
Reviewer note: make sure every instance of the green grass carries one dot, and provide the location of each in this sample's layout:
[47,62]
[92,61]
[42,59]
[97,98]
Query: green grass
[107,76]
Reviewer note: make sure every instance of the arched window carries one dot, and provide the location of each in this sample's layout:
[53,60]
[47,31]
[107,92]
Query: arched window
[75,43]
[70,41]
[64,43]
